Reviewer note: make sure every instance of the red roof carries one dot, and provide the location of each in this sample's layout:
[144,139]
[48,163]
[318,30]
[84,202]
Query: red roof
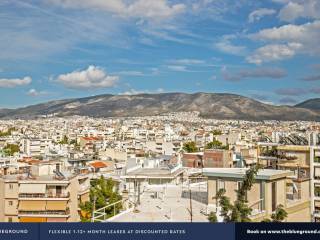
[98,164]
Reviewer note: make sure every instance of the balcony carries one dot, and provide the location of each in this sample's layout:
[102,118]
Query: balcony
[317,192]
[44,195]
[46,213]
[317,160]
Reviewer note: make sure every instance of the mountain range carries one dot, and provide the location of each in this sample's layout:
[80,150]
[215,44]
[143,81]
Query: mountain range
[210,105]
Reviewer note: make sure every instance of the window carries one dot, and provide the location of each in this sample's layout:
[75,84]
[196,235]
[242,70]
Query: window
[10,186]
[10,203]
[9,219]
[221,184]
[239,185]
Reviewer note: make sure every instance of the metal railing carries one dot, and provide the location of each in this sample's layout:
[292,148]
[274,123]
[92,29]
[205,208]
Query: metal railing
[46,212]
[102,214]
[44,195]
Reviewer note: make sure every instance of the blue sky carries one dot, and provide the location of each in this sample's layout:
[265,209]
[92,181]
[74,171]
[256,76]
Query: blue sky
[55,49]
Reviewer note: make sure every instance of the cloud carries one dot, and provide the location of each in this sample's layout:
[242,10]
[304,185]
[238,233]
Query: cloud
[295,9]
[135,92]
[291,91]
[91,78]
[178,68]
[315,90]
[260,97]
[286,42]
[287,100]
[311,78]
[316,66]
[225,45]
[187,61]
[145,9]
[34,93]
[131,73]
[259,13]
[14,82]
[274,73]
[273,52]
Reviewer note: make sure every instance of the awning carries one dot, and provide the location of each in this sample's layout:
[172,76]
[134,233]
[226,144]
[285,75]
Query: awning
[56,220]
[317,204]
[32,188]
[32,205]
[32,219]
[56,205]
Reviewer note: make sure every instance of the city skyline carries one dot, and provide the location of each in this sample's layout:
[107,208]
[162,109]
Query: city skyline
[67,49]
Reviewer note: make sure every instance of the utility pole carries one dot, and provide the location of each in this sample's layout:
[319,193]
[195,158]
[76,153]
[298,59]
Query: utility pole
[94,207]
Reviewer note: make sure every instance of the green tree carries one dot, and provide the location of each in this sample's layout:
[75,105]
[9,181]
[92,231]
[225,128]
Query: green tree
[10,149]
[239,211]
[7,133]
[280,214]
[190,147]
[215,144]
[65,140]
[103,193]
[216,132]
[212,217]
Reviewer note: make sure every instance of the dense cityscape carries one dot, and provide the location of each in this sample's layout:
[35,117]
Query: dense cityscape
[176,167]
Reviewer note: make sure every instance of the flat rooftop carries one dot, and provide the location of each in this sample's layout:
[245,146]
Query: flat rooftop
[154,173]
[263,174]
[43,178]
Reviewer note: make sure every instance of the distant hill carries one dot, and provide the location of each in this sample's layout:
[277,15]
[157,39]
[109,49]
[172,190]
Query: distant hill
[210,105]
[312,104]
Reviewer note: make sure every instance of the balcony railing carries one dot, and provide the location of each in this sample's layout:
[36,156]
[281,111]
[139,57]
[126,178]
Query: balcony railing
[46,212]
[44,195]
[317,193]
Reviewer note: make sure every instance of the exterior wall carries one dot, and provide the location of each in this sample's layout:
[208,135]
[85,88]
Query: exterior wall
[192,160]
[213,159]
[113,154]
[11,206]
[211,189]
[298,210]
[2,193]
[11,189]
[73,202]
[299,213]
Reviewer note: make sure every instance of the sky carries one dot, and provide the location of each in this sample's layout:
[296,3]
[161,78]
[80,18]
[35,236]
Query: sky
[55,49]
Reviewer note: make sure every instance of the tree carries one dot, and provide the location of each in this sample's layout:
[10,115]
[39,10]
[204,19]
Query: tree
[279,215]
[239,211]
[216,132]
[212,217]
[7,133]
[215,144]
[103,193]
[11,149]
[190,147]
[65,140]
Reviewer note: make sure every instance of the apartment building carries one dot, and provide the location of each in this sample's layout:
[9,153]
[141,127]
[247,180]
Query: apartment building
[271,188]
[208,158]
[44,194]
[315,182]
[34,146]
[303,160]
